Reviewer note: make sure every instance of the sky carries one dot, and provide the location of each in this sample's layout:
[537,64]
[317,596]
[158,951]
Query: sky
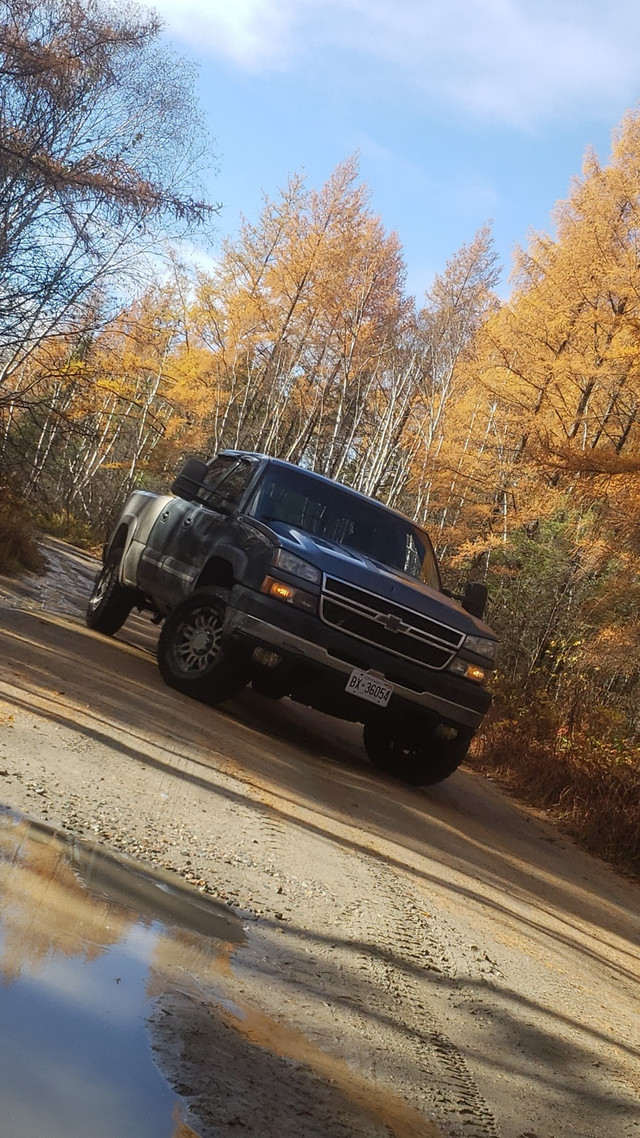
[462,112]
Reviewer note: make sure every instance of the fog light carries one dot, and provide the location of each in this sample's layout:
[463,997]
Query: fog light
[266,658]
[444,731]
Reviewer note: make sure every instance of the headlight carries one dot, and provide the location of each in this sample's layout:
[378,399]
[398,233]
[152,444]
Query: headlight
[482,646]
[296,566]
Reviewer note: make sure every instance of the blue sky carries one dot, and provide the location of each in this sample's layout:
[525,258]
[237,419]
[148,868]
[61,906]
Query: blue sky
[462,111]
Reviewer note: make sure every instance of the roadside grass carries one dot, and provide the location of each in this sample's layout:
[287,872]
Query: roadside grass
[19,549]
[71,529]
[589,786]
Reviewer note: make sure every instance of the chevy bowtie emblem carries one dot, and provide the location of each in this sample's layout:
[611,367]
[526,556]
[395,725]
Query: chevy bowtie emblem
[392,623]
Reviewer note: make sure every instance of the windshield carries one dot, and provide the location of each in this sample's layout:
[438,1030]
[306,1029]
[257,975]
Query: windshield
[333,514]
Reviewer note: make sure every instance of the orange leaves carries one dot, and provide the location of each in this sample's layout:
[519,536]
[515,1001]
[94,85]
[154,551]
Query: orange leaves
[556,372]
[293,323]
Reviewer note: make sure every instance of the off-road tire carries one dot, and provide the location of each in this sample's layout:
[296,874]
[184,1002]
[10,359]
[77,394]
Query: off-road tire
[193,656]
[415,757]
[110,602]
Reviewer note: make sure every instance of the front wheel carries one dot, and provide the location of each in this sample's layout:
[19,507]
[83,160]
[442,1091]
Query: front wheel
[418,756]
[110,602]
[192,654]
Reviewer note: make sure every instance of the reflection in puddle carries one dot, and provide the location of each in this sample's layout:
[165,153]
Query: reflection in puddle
[86,942]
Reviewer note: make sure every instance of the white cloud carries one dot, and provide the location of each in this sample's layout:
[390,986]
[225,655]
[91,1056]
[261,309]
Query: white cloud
[514,61]
[254,34]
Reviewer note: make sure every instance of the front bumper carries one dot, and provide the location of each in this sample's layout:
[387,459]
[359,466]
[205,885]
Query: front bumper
[307,640]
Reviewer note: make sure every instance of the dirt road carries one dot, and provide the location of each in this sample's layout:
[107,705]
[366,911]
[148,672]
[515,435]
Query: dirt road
[417,963]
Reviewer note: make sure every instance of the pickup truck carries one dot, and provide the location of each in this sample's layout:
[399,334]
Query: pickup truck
[263,572]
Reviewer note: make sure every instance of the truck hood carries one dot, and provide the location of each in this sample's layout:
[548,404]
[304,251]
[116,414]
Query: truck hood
[358,569]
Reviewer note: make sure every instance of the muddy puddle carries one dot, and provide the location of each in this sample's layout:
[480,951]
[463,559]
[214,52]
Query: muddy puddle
[88,943]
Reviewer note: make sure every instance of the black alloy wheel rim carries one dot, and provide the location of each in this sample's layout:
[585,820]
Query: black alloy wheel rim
[198,642]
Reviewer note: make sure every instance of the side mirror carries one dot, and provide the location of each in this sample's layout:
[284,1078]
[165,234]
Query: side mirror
[474,599]
[190,479]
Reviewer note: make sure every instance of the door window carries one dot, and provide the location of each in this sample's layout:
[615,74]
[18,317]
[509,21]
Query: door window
[225,482]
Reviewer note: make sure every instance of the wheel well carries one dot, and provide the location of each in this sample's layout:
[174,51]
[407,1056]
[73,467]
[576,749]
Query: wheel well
[118,542]
[217,571]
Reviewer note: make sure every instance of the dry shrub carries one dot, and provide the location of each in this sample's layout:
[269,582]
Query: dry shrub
[19,550]
[71,529]
[592,787]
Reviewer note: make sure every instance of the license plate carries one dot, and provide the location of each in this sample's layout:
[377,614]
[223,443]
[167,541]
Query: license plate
[366,686]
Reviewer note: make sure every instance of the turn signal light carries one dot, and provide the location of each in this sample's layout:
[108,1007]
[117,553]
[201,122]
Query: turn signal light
[469,671]
[289,594]
[282,592]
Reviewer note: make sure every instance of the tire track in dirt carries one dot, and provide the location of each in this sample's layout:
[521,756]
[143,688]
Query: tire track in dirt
[408,956]
[399,954]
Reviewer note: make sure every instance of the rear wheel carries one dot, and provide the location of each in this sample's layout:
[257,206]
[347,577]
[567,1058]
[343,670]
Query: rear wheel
[418,756]
[192,654]
[110,602]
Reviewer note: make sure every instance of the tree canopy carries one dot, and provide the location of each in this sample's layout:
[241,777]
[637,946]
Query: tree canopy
[101,148]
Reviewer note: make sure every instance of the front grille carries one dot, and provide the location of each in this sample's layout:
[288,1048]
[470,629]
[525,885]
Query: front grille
[388,625]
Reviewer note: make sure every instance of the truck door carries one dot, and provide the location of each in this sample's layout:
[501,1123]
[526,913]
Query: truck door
[186,533]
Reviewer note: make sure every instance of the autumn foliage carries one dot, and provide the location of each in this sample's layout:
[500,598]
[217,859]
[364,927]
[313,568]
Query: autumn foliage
[511,429]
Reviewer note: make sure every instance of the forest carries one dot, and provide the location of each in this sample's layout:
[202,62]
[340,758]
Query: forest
[509,428]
